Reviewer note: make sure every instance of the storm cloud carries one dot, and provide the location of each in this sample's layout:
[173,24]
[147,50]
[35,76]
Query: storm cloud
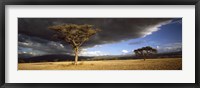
[37,44]
[34,32]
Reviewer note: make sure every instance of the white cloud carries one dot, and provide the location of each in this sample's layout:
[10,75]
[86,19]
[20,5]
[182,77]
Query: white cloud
[85,52]
[124,51]
[98,46]
[157,47]
[55,44]
[153,28]
[171,47]
[84,49]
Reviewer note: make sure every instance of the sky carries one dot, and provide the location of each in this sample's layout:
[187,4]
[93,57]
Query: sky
[118,36]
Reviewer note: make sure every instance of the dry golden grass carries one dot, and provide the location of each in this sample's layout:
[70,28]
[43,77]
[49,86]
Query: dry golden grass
[149,64]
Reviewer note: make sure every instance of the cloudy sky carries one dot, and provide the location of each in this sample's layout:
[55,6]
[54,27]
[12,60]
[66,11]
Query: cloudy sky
[118,36]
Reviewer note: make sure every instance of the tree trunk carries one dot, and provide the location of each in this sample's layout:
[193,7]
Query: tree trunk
[76,56]
[145,56]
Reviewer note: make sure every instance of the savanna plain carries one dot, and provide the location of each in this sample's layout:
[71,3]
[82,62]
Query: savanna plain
[133,64]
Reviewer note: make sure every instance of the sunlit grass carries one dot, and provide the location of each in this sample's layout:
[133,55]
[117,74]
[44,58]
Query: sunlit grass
[149,64]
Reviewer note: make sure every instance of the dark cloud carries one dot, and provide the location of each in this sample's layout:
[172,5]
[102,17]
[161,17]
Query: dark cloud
[34,32]
[31,44]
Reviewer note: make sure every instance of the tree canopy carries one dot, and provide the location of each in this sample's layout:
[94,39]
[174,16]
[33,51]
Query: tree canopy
[145,52]
[74,34]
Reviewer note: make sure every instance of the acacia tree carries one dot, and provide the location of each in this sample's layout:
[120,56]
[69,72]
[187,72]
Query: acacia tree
[145,52]
[74,34]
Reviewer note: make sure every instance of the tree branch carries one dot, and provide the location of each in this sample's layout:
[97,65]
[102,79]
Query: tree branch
[74,43]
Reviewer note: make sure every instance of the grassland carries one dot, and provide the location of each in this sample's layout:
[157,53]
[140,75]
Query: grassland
[149,64]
